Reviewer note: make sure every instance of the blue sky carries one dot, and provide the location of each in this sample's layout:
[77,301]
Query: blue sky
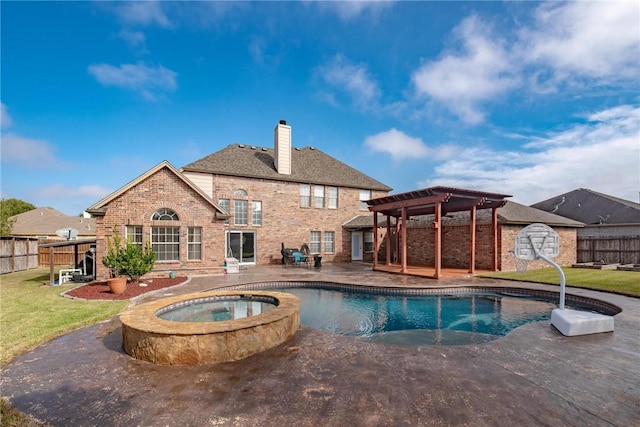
[532,99]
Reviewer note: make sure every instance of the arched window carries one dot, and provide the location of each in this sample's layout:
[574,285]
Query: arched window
[165,214]
[240,193]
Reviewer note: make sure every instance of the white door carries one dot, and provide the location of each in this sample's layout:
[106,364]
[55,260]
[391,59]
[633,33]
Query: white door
[356,246]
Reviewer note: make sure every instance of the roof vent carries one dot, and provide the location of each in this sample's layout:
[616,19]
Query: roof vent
[264,149]
[297,148]
[253,147]
[312,148]
[241,145]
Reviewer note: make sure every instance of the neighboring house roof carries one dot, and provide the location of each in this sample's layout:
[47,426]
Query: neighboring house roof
[100,207]
[308,165]
[510,213]
[46,221]
[591,207]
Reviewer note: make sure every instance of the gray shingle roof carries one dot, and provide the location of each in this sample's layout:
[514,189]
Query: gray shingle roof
[510,213]
[45,222]
[591,207]
[308,165]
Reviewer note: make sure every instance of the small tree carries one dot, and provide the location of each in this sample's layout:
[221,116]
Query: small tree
[136,261]
[113,259]
[131,260]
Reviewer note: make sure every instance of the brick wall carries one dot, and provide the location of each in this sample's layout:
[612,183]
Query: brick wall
[136,207]
[285,221]
[567,255]
[455,246]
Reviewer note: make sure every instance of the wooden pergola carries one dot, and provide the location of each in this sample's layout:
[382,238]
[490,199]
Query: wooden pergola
[436,201]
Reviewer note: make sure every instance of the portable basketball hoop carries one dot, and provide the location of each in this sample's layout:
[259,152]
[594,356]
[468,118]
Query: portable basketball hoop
[539,241]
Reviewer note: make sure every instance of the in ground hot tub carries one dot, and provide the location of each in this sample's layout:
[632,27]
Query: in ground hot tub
[209,327]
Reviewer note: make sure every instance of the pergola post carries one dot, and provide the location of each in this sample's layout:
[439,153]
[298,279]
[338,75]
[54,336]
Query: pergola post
[494,224]
[472,240]
[438,240]
[404,240]
[375,240]
[388,240]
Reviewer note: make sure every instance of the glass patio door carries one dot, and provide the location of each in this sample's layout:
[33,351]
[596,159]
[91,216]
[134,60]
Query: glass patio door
[242,246]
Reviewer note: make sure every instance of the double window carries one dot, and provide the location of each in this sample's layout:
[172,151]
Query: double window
[315,242]
[241,206]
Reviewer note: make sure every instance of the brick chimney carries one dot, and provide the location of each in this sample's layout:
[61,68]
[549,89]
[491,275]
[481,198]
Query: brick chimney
[282,148]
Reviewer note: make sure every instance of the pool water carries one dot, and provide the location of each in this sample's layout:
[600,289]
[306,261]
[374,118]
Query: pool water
[418,320]
[214,310]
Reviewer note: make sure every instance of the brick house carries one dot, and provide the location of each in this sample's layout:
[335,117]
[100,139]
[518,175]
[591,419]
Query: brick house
[286,195]
[242,201]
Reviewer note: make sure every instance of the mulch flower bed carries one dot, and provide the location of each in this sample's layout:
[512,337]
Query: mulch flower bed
[100,290]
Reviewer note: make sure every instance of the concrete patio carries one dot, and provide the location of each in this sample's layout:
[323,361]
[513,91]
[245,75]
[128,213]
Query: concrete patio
[532,377]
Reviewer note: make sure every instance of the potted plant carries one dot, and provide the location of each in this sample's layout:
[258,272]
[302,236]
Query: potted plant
[130,261]
[113,261]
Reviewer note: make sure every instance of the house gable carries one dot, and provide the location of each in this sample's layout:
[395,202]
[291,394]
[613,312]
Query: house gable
[99,208]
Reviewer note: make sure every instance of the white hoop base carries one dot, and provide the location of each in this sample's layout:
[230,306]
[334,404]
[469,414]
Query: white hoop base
[573,322]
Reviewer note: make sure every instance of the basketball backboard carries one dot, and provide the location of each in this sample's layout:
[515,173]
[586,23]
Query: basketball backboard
[536,239]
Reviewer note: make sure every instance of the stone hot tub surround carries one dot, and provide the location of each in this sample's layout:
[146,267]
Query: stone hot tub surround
[147,337]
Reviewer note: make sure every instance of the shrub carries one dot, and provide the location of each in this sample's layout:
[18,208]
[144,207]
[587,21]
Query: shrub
[132,260]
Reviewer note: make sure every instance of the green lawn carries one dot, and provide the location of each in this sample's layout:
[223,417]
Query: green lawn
[31,313]
[620,282]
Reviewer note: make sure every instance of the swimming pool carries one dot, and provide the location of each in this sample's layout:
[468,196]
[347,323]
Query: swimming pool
[446,316]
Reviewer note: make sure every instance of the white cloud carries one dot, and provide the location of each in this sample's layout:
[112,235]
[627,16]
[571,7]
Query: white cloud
[134,38]
[5,119]
[150,82]
[142,13]
[603,155]
[397,144]
[462,81]
[350,10]
[354,79]
[29,153]
[590,38]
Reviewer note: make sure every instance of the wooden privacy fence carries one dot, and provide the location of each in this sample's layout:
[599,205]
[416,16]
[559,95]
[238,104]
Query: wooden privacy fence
[17,254]
[610,249]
